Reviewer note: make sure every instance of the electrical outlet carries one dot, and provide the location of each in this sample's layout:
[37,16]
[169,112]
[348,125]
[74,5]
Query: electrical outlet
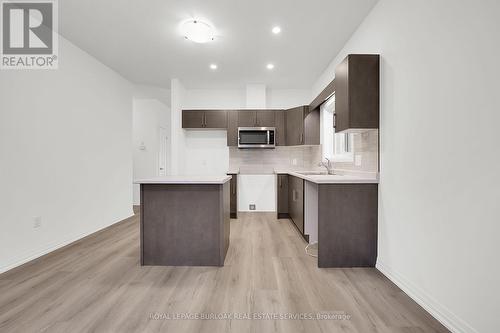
[37,222]
[294,161]
[251,206]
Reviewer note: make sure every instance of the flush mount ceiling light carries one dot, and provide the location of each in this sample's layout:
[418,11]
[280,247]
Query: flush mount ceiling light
[213,66]
[270,66]
[198,31]
[276,30]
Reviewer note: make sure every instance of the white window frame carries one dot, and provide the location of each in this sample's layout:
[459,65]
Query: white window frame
[328,133]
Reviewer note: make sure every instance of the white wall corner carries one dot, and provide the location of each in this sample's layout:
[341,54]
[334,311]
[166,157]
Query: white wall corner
[426,301]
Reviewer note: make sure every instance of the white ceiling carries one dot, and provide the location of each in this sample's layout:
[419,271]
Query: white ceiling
[140,39]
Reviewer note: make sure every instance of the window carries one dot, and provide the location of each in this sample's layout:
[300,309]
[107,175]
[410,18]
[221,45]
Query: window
[336,146]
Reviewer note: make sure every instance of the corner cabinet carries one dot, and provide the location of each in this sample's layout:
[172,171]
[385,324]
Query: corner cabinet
[302,126]
[357,92]
[194,119]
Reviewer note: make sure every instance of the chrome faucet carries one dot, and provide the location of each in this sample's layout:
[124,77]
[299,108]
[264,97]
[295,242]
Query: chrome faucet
[328,165]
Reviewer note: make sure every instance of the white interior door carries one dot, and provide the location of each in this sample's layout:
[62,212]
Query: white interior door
[162,152]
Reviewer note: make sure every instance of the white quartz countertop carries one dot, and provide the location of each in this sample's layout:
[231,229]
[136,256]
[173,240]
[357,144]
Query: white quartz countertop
[184,180]
[333,179]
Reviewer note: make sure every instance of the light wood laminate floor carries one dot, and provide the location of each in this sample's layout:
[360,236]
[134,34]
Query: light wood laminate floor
[97,285]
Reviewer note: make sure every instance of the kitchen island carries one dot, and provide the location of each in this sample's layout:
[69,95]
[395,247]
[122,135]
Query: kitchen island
[184,220]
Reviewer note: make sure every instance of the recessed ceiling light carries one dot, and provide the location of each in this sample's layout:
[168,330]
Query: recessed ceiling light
[270,66]
[213,66]
[276,30]
[198,31]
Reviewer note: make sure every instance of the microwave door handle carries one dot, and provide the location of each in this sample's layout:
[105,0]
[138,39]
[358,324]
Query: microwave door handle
[268,139]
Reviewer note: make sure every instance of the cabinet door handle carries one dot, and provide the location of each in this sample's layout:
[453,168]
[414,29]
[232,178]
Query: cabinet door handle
[334,120]
[234,188]
[279,180]
[301,137]
[204,120]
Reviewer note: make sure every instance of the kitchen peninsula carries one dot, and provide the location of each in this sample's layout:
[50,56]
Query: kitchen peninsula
[184,220]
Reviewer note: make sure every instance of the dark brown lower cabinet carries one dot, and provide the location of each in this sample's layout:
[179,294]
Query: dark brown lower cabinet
[296,203]
[233,195]
[282,192]
[184,224]
[347,225]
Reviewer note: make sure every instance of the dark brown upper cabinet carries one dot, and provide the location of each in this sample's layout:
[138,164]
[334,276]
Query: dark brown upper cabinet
[265,118]
[246,118]
[280,124]
[302,126]
[256,118]
[216,119]
[232,128]
[357,92]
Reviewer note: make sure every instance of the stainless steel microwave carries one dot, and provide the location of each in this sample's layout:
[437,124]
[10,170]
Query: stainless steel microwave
[256,137]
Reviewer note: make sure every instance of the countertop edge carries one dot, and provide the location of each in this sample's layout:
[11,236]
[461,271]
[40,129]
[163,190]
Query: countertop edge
[184,180]
[353,180]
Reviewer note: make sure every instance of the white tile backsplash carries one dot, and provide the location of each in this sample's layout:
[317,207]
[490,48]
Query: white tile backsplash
[266,160]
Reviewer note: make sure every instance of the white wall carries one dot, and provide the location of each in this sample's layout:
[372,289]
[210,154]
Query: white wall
[148,116]
[206,152]
[439,184]
[178,95]
[259,190]
[237,98]
[288,98]
[65,154]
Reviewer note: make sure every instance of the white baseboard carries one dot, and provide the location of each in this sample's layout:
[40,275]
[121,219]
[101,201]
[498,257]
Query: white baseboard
[45,251]
[436,309]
